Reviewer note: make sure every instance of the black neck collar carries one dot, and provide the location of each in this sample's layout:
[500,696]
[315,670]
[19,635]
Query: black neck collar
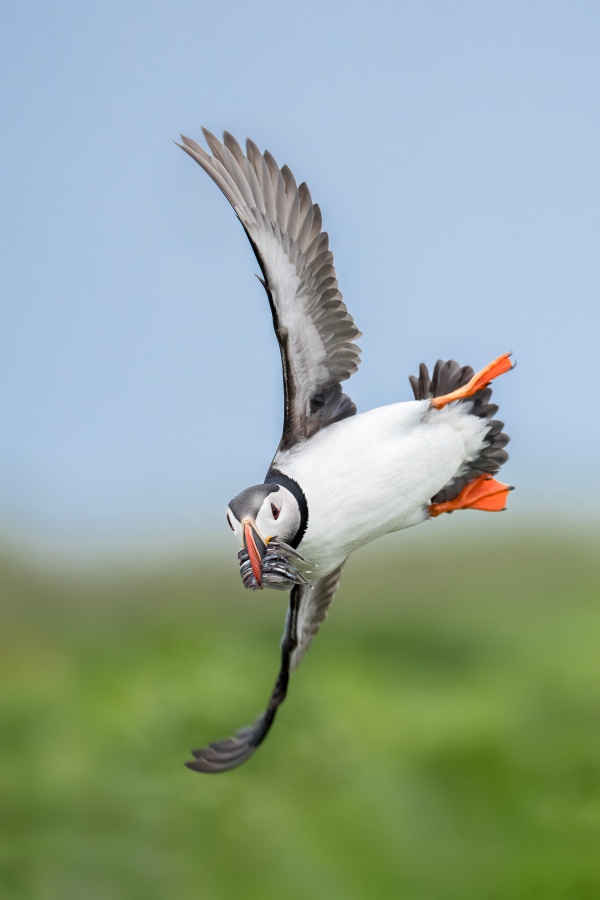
[274,476]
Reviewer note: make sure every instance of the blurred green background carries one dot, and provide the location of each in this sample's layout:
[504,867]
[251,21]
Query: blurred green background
[441,740]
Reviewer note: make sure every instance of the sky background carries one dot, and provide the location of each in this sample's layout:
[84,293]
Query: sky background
[454,150]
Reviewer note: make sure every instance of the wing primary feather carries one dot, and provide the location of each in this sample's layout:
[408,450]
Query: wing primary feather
[215,169]
[213,142]
[264,176]
[293,217]
[290,182]
[278,191]
[316,228]
[305,229]
[192,145]
[255,166]
[253,156]
[305,200]
[235,149]
[237,172]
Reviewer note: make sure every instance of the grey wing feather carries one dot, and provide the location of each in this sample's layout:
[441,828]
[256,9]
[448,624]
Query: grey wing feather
[307,609]
[314,605]
[315,331]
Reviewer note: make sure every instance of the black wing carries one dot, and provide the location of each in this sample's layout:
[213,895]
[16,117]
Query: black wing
[308,607]
[314,329]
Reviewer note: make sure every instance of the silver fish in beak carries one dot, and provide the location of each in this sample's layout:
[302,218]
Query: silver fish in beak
[269,563]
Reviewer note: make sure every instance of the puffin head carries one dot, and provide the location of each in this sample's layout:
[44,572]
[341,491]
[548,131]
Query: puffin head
[267,520]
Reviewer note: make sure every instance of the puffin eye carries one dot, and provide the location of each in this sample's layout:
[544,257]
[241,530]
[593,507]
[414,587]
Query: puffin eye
[229,523]
[275,511]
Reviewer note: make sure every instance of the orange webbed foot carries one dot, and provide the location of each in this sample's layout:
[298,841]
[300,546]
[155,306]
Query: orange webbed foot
[480,380]
[483,493]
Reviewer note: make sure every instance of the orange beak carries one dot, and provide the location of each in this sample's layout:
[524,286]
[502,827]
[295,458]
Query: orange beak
[255,547]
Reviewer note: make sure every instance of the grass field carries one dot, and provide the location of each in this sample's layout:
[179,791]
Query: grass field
[441,741]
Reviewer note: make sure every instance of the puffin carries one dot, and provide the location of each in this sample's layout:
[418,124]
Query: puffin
[339,479]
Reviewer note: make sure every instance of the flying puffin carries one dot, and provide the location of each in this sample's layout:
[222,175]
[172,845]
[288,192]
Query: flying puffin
[338,480]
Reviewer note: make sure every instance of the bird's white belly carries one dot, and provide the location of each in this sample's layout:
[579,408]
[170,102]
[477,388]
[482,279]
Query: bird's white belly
[375,473]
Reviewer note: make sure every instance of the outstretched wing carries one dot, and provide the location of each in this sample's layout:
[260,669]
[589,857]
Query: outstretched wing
[314,329]
[307,609]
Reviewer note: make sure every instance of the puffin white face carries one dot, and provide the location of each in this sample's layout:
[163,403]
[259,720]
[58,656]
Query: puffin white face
[261,513]
[271,509]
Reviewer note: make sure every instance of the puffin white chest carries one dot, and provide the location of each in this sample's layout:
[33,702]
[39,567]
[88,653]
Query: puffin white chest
[372,474]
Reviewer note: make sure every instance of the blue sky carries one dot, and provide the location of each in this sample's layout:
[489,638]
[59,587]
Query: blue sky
[453,148]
